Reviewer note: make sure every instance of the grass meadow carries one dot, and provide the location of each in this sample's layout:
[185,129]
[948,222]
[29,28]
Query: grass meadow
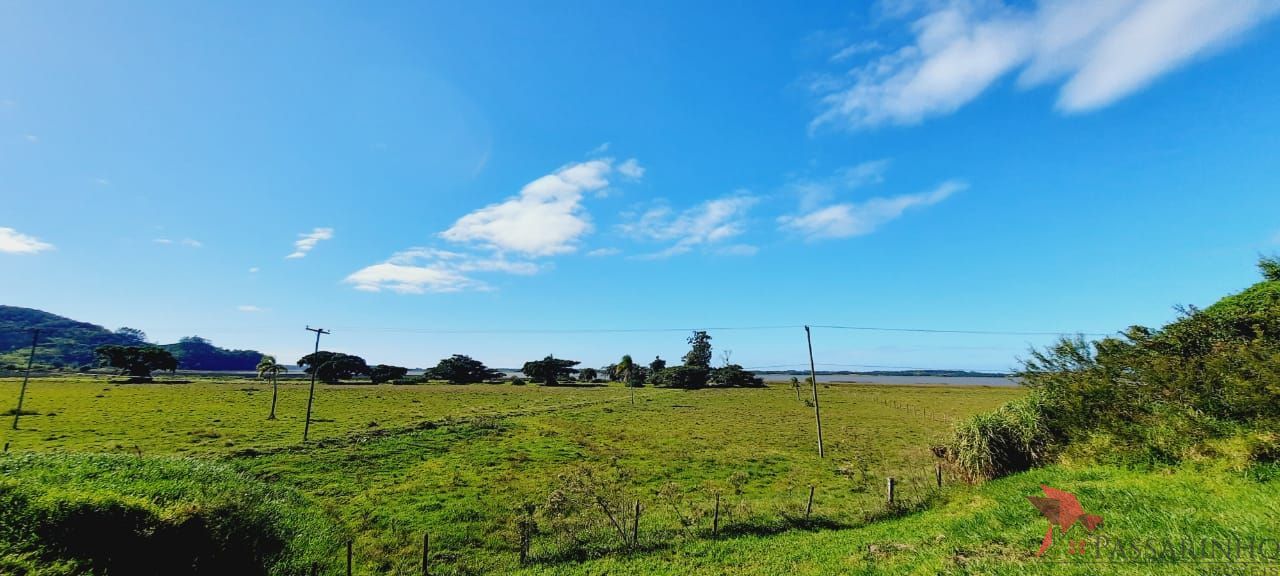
[479,466]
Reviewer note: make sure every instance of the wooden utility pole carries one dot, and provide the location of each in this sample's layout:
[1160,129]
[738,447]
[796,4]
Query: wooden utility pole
[22,393]
[315,371]
[813,380]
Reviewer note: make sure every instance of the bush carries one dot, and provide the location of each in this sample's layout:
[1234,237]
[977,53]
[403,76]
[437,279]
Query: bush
[685,377]
[128,515]
[733,376]
[1013,438]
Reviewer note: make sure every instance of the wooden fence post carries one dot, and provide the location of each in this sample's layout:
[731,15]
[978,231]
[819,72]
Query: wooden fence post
[937,473]
[715,520]
[891,485]
[808,507]
[349,557]
[635,528]
[426,554]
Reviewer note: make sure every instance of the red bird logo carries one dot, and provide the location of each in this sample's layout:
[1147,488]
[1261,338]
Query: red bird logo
[1063,510]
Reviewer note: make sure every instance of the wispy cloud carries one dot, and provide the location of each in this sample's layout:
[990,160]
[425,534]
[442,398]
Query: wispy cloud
[14,242]
[600,252]
[32,138]
[849,219]
[546,218]
[188,242]
[598,150]
[631,168]
[738,250]
[102,181]
[1101,50]
[250,308]
[307,241]
[254,270]
[421,270]
[708,223]
[813,192]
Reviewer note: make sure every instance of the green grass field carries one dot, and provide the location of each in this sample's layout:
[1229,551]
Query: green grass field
[461,463]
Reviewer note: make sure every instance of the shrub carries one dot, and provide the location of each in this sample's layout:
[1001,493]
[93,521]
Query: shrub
[1013,438]
[733,376]
[128,515]
[686,377]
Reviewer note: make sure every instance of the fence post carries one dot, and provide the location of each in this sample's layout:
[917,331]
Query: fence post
[349,557]
[426,554]
[808,507]
[525,529]
[891,485]
[937,473]
[635,528]
[715,520]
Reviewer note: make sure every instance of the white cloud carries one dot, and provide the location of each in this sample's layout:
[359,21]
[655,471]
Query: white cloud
[632,169]
[188,242]
[711,222]
[598,150]
[254,270]
[421,270]
[250,308]
[599,252]
[307,241]
[814,192]
[546,218]
[14,242]
[849,219]
[1104,50]
[856,49]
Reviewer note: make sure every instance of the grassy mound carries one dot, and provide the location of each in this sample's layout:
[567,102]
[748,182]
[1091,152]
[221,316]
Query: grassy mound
[113,514]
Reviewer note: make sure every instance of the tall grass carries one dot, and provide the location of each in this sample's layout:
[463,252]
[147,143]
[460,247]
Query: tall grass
[114,514]
[1013,438]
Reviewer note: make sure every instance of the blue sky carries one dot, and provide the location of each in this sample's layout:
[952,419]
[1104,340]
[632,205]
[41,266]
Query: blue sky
[400,172]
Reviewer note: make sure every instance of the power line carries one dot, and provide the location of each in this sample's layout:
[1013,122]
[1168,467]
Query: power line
[977,332]
[711,328]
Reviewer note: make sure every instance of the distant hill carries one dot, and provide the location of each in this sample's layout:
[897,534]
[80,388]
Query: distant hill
[66,343]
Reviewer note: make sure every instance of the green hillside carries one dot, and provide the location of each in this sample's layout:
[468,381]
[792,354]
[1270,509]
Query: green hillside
[67,343]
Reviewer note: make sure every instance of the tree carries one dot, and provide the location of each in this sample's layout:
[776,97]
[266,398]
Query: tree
[550,370]
[686,377]
[459,369]
[330,367]
[733,376]
[132,336]
[136,361]
[699,355]
[267,366]
[588,375]
[385,373]
[657,364]
[1270,267]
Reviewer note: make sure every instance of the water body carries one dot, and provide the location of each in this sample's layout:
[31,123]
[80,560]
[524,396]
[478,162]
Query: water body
[901,380]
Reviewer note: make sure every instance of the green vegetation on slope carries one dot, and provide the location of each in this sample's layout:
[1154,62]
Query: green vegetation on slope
[1148,397]
[77,513]
[66,343]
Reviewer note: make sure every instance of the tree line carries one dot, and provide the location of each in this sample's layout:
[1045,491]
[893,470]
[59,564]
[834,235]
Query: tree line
[695,371]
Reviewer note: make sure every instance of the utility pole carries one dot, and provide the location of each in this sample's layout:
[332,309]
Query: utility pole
[315,370]
[35,335]
[813,380]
